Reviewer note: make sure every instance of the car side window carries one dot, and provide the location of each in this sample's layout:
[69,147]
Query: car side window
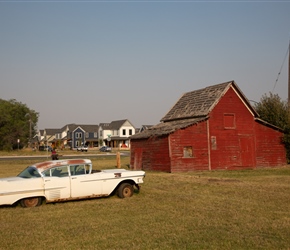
[46,173]
[58,171]
[80,169]
[77,169]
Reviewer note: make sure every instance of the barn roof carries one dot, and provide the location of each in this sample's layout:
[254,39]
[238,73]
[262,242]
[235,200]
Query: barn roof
[165,128]
[201,102]
[191,108]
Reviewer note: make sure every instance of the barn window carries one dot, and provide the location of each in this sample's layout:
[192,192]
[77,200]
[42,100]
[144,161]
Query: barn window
[213,142]
[187,152]
[229,121]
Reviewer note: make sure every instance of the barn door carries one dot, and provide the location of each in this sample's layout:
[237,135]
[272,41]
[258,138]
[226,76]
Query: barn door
[247,151]
[138,159]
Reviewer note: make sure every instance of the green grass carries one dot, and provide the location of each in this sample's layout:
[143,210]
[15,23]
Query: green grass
[198,210]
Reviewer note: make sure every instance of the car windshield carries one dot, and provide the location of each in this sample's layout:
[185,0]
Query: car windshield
[29,172]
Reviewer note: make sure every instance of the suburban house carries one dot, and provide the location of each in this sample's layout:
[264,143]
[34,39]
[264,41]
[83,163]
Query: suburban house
[116,134]
[211,128]
[49,135]
[78,135]
[144,127]
[38,138]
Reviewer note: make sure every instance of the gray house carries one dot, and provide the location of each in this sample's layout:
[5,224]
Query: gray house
[78,135]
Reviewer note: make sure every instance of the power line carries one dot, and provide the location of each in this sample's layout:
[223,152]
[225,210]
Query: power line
[281,67]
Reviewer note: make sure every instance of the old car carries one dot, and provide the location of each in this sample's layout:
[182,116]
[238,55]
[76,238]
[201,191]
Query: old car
[62,180]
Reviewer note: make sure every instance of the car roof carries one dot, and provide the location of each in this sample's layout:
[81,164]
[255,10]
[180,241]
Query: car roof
[41,166]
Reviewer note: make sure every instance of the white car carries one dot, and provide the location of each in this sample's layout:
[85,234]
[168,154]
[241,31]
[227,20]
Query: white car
[62,180]
[83,148]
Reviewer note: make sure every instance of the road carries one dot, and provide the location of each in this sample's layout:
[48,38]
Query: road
[48,158]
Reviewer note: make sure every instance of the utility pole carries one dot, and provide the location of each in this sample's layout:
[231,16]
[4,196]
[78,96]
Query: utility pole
[30,140]
[30,130]
[289,77]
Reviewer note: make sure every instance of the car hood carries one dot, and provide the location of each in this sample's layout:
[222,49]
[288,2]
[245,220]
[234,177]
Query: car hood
[11,179]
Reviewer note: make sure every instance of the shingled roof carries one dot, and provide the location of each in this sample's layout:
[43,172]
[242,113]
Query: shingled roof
[114,125]
[191,108]
[200,102]
[165,128]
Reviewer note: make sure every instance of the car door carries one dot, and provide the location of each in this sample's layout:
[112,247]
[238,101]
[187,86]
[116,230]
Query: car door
[57,183]
[83,183]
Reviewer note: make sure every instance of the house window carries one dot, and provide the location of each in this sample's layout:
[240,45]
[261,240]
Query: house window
[130,132]
[213,142]
[101,133]
[229,121]
[87,134]
[96,135]
[78,135]
[187,152]
[124,131]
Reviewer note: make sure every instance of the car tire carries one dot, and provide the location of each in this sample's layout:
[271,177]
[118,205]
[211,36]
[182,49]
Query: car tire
[125,190]
[31,202]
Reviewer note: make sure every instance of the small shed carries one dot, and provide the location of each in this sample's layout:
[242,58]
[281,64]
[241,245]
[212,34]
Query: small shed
[208,129]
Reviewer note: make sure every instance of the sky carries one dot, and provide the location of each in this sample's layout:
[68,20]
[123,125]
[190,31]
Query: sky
[91,62]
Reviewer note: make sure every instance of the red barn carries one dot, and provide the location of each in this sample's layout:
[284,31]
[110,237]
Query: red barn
[208,129]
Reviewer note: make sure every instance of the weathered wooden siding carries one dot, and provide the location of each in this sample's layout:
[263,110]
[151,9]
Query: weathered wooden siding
[228,137]
[195,137]
[270,150]
[150,154]
[234,143]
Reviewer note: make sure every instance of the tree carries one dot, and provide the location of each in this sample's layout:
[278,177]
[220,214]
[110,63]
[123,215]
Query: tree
[17,121]
[276,111]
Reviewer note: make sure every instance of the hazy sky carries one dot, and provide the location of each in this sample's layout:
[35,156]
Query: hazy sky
[89,62]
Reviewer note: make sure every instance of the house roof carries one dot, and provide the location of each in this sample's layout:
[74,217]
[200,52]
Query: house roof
[117,124]
[105,125]
[114,125]
[85,127]
[89,128]
[52,131]
[146,126]
[200,102]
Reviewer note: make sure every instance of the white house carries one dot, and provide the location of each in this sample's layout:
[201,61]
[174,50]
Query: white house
[116,134]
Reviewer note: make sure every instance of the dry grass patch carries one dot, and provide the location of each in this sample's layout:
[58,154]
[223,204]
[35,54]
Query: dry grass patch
[199,210]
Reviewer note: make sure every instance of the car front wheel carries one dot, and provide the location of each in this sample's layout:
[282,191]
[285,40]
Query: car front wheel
[125,190]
